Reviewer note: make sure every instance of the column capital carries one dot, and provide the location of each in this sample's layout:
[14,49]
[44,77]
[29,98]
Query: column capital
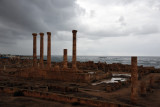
[65,51]
[74,31]
[134,58]
[34,34]
[41,34]
[48,33]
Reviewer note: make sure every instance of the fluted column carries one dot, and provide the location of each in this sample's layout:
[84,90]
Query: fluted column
[65,58]
[134,79]
[41,50]
[49,50]
[74,50]
[34,50]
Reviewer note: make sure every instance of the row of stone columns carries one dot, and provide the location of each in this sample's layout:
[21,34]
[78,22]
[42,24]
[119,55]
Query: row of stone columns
[41,50]
[49,51]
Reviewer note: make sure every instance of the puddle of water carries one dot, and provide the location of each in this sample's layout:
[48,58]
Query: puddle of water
[127,75]
[113,79]
[91,72]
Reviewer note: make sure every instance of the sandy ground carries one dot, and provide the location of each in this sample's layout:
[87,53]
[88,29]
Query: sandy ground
[7,100]
[119,96]
[122,95]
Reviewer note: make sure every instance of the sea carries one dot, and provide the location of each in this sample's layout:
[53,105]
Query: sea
[147,61]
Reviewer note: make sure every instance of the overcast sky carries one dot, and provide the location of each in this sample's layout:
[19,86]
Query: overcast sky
[105,27]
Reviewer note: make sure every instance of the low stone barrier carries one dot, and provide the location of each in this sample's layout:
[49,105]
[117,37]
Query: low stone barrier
[115,86]
[63,88]
[62,98]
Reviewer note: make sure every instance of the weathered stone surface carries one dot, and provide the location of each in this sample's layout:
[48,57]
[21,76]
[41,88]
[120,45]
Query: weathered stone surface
[34,50]
[56,68]
[63,98]
[41,50]
[74,50]
[151,81]
[65,59]
[109,88]
[49,51]
[143,88]
[134,79]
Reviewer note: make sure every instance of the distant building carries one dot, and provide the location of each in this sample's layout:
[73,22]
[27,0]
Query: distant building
[7,56]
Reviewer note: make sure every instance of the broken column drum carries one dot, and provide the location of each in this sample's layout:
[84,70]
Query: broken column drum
[74,50]
[34,50]
[65,58]
[49,50]
[41,50]
[134,79]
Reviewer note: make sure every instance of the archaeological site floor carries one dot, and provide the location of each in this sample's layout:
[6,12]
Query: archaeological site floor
[74,90]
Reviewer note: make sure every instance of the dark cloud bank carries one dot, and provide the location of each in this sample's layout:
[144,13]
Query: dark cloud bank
[20,18]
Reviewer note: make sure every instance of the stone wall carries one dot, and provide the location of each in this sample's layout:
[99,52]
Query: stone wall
[62,98]
[63,75]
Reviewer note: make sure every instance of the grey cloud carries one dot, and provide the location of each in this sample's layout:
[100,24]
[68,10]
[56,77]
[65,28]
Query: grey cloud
[147,29]
[20,18]
[121,20]
[111,2]
[92,13]
[124,30]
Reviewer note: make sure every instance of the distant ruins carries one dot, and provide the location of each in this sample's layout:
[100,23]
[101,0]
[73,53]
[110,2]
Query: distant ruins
[58,72]
[83,83]
[74,68]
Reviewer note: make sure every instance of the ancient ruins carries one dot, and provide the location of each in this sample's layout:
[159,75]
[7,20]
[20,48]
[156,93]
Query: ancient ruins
[78,83]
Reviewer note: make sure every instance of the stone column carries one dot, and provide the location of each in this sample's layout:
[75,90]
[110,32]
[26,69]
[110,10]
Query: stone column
[65,58]
[134,79]
[34,50]
[41,50]
[74,50]
[49,50]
